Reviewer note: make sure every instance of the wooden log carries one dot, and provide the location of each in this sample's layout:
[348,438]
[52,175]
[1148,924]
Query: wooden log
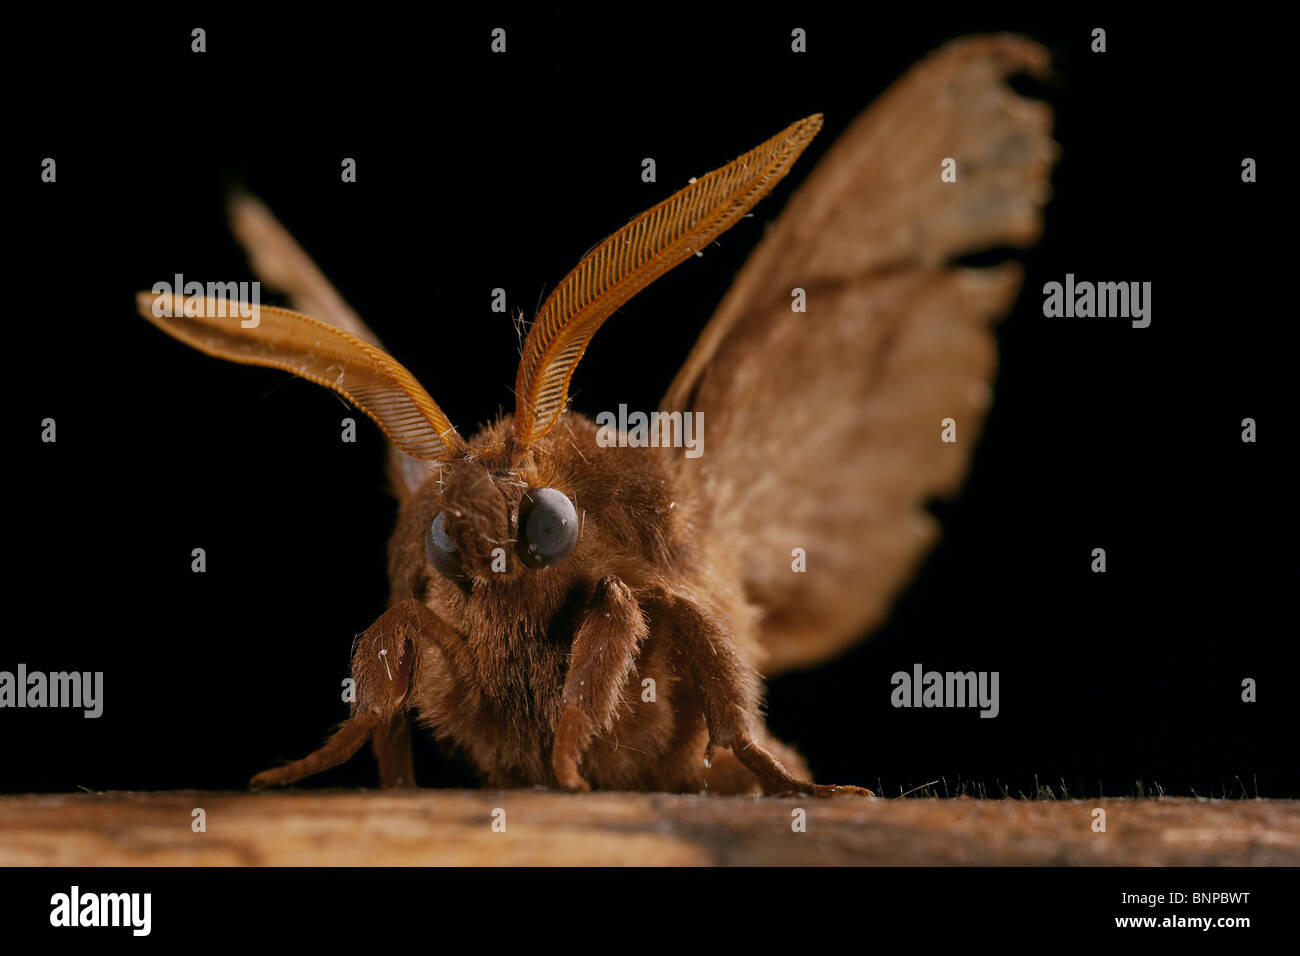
[455,827]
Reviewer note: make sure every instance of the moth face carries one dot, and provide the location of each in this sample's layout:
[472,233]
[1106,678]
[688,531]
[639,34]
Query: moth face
[485,521]
[489,539]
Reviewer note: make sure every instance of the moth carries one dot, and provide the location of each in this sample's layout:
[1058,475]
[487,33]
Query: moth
[571,614]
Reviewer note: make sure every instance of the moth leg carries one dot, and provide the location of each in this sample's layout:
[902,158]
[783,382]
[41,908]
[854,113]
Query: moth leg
[384,666]
[391,744]
[343,743]
[727,775]
[729,693]
[604,650]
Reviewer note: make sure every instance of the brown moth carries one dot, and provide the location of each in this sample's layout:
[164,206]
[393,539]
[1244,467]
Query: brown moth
[574,615]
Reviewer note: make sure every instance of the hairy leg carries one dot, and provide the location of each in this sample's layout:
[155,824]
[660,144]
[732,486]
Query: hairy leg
[384,666]
[604,651]
[729,690]
[391,744]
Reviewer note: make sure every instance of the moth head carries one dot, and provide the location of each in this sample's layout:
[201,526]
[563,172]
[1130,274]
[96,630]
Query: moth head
[486,524]
[504,523]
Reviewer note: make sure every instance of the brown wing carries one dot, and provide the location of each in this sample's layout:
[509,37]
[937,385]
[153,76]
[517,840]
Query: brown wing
[823,427]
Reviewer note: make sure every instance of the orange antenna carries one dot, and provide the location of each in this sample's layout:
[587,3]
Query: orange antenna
[629,260]
[362,373]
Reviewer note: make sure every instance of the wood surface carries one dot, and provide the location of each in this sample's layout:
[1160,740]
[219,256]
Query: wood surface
[454,827]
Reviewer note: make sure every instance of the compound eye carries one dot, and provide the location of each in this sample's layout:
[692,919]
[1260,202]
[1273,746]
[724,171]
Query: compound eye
[548,528]
[441,550]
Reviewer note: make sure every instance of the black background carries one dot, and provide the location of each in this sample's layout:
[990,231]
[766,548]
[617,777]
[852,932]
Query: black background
[477,171]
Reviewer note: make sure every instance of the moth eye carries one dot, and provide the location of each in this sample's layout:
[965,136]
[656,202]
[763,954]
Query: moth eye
[548,528]
[441,550]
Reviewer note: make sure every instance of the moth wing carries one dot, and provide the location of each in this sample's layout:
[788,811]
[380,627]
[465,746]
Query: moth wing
[823,427]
